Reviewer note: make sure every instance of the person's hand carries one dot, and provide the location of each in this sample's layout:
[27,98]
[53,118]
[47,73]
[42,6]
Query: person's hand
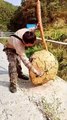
[38,25]
[39,74]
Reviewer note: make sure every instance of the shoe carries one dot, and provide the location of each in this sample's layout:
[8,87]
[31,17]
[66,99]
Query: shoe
[12,88]
[23,77]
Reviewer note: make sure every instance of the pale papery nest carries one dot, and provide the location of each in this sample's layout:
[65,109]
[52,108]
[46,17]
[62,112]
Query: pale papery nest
[44,61]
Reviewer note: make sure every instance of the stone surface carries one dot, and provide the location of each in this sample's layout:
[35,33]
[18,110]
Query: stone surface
[29,102]
[46,62]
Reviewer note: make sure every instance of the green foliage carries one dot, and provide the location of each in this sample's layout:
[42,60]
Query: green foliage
[23,15]
[56,33]
[51,10]
[6,12]
[60,51]
[3,40]
[30,51]
[16,20]
[61,54]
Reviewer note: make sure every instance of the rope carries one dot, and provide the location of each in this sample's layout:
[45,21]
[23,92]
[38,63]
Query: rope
[52,41]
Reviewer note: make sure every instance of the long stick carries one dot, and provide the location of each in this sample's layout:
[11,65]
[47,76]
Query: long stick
[40,24]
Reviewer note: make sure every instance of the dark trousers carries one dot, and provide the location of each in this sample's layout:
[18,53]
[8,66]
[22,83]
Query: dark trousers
[14,67]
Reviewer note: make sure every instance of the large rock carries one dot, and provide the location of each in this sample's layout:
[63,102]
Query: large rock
[44,61]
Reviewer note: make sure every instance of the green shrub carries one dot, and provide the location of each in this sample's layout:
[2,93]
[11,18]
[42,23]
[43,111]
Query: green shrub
[30,51]
[61,55]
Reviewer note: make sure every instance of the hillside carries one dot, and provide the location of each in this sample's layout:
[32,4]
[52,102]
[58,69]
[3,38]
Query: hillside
[6,12]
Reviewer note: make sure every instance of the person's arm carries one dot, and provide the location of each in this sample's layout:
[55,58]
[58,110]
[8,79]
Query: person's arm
[21,52]
[29,65]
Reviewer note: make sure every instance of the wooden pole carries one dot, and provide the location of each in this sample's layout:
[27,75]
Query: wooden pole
[40,24]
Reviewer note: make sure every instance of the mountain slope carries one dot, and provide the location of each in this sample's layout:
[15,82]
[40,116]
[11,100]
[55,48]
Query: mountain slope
[6,12]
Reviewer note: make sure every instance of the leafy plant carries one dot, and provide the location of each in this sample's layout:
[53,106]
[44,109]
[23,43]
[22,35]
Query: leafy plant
[6,12]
